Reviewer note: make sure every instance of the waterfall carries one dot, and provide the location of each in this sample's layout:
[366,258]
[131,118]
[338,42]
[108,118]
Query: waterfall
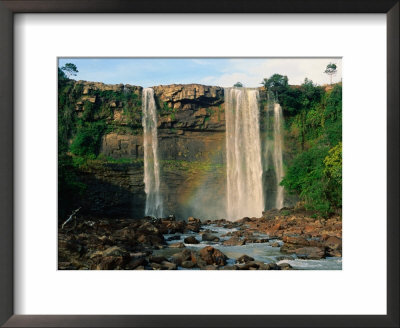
[154,205]
[277,154]
[243,150]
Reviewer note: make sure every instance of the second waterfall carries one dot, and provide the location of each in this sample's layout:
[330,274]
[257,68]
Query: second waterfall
[154,204]
[243,148]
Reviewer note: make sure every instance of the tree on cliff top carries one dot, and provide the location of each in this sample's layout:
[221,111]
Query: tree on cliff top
[331,69]
[238,85]
[276,83]
[70,69]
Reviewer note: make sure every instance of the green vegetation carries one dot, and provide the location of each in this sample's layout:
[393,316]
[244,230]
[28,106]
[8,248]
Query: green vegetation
[165,110]
[238,85]
[85,114]
[313,122]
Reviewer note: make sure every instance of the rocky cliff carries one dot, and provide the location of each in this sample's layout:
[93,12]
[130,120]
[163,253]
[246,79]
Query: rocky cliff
[191,132]
[191,148]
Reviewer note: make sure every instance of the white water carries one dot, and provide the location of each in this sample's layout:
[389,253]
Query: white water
[243,149]
[154,205]
[277,154]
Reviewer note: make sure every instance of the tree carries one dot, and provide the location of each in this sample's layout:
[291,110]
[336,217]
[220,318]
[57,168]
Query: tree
[276,83]
[238,85]
[331,69]
[70,69]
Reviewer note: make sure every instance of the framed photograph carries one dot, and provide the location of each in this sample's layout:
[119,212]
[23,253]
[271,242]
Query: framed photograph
[157,153]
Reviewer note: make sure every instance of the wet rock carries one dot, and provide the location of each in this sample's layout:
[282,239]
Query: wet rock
[234,241]
[168,265]
[209,237]
[188,265]
[254,265]
[213,256]
[198,260]
[179,258]
[309,253]
[296,240]
[285,266]
[271,266]
[156,266]
[195,227]
[177,245]
[190,240]
[244,259]
[333,243]
[136,262]
[157,259]
[275,244]
[112,258]
[191,219]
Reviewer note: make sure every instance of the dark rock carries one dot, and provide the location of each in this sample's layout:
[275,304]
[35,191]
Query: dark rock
[244,259]
[190,240]
[234,241]
[285,266]
[136,262]
[213,256]
[188,265]
[157,259]
[177,245]
[179,258]
[209,237]
[168,265]
[310,253]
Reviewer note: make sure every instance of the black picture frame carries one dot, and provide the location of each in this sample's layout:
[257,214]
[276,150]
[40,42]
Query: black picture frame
[10,7]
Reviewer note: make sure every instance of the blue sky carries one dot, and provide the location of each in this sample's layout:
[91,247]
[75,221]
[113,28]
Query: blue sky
[222,72]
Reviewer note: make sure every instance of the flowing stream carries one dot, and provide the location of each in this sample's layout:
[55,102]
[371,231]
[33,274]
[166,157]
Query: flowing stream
[154,204]
[243,150]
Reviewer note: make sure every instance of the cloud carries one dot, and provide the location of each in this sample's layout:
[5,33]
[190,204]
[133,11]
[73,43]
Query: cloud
[252,71]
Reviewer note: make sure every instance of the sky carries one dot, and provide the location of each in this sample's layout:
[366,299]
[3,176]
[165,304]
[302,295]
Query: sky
[224,72]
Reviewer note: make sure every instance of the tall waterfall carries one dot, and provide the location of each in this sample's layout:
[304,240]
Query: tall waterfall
[243,148]
[154,205]
[277,154]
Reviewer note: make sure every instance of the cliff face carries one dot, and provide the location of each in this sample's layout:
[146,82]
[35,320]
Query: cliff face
[191,126]
[191,133]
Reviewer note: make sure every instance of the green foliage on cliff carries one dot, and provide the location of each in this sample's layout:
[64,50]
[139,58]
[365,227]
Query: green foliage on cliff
[313,119]
[88,138]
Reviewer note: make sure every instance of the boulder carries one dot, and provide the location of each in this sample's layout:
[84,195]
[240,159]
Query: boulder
[179,258]
[157,259]
[234,241]
[177,245]
[188,264]
[244,259]
[190,240]
[310,253]
[168,265]
[209,237]
[285,266]
[213,256]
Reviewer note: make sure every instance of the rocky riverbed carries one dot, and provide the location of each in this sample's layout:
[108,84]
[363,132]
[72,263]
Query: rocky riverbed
[280,240]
